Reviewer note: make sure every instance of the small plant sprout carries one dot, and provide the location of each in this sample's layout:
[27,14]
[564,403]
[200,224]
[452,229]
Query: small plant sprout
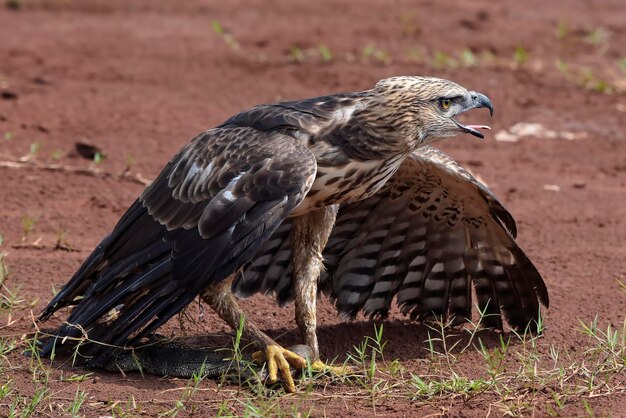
[35,147]
[237,358]
[589,80]
[368,50]
[10,301]
[415,55]
[33,150]
[467,58]
[520,54]
[4,270]
[296,54]
[382,56]
[62,243]
[444,60]
[99,157]
[56,154]
[597,37]
[9,135]
[217,27]
[28,225]
[79,398]
[226,36]
[562,67]
[325,53]
[366,356]
[130,161]
[562,29]
[453,385]
[371,51]
[602,86]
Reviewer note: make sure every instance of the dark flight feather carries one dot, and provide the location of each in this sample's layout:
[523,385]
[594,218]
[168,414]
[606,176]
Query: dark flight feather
[429,236]
[204,216]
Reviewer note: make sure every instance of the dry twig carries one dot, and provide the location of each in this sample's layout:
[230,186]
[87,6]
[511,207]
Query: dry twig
[62,168]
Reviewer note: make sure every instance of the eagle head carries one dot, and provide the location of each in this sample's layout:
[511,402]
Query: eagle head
[424,108]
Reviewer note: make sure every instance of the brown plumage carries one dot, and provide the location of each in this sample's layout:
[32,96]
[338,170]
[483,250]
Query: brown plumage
[428,237]
[220,199]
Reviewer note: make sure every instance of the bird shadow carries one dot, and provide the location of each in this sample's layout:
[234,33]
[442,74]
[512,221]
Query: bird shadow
[404,340]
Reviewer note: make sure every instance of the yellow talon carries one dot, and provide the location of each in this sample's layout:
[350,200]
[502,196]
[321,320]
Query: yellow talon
[279,359]
[320,366]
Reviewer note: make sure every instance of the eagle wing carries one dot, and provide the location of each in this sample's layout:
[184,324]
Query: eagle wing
[430,233]
[205,215]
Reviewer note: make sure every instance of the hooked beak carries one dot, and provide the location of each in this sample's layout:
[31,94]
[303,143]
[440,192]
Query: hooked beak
[477,101]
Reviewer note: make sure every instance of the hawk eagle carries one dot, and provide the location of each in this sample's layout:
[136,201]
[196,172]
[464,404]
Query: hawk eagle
[262,201]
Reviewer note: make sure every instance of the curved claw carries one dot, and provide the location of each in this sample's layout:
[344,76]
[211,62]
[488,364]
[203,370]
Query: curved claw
[280,359]
[320,366]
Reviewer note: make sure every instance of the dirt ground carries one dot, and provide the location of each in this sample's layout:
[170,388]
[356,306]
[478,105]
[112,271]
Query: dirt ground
[139,79]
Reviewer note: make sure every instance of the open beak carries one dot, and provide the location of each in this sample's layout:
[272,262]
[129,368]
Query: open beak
[477,101]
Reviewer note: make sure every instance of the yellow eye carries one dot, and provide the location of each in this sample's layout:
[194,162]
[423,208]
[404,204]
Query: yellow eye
[445,104]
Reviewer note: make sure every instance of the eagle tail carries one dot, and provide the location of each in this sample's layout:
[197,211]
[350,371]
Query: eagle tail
[118,286]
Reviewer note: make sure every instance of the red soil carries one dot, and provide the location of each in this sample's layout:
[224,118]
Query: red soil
[139,79]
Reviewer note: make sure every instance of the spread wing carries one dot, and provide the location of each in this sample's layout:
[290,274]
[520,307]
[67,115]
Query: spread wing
[427,238]
[206,214]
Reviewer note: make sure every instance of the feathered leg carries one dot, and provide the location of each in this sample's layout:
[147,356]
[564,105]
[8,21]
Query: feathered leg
[221,299]
[309,236]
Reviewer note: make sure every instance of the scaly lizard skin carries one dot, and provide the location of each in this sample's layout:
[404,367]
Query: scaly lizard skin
[163,357]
